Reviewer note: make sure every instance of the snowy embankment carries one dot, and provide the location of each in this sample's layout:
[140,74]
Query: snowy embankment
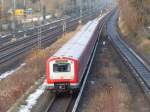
[32,99]
[8,73]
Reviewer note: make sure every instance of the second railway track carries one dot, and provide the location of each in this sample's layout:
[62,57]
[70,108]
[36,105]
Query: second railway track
[16,50]
[140,68]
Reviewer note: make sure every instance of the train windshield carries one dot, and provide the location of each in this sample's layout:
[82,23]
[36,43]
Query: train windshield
[62,67]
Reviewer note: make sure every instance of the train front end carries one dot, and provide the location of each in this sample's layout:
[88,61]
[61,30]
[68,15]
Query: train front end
[62,74]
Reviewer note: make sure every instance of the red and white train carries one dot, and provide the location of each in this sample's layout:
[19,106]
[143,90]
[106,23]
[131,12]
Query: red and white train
[65,69]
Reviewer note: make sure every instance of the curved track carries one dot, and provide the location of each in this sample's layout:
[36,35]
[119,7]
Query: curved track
[135,63]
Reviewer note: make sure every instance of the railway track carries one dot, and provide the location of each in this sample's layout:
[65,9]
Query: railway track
[29,32]
[61,102]
[26,39]
[49,34]
[69,103]
[135,63]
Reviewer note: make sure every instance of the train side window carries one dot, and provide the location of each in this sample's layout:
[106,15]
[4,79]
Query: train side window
[62,67]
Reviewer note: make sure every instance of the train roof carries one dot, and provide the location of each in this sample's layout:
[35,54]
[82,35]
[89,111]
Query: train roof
[75,47]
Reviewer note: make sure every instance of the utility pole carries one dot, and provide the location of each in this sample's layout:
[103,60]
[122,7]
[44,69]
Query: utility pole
[39,37]
[2,6]
[39,28]
[24,3]
[44,13]
[14,5]
[81,11]
[90,4]
[74,6]
[64,7]
[13,21]
[1,12]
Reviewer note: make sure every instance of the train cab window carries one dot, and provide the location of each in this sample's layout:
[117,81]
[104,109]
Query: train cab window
[62,67]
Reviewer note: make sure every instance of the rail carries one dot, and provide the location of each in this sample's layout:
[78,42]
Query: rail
[135,63]
[71,103]
[20,47]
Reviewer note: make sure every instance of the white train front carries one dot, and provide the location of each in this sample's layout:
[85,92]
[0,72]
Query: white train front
[65,69]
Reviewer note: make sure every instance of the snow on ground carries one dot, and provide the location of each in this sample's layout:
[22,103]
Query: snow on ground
[32,99]
[6,74]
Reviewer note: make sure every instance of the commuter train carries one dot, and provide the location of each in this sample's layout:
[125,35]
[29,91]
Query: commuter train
[65,69]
